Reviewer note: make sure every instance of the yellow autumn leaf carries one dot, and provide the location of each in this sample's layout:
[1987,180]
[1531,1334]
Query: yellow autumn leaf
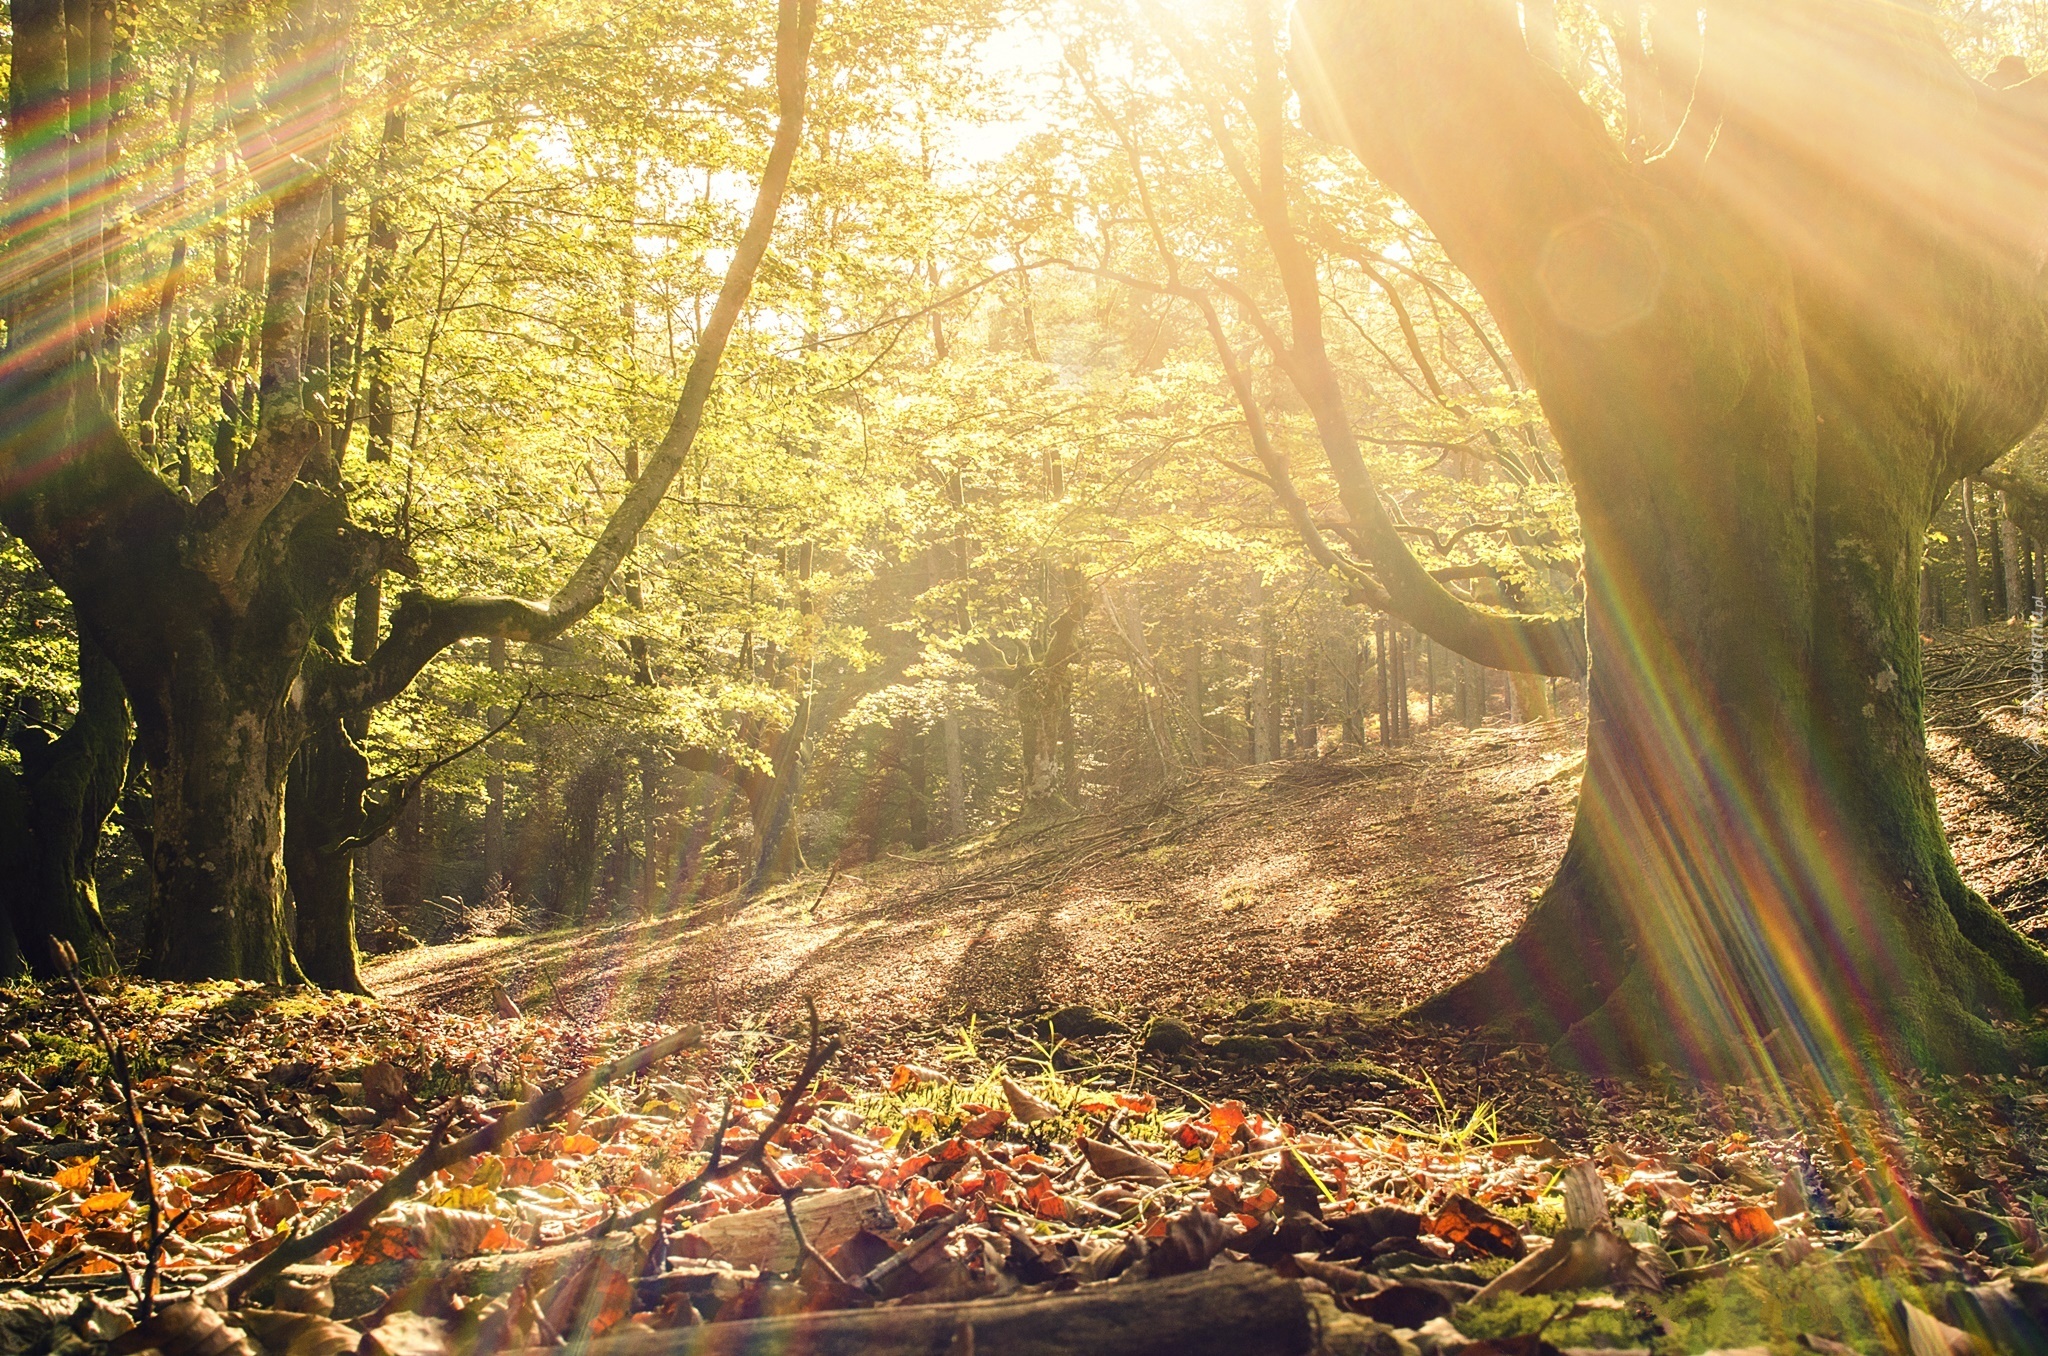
[466,1198]
[578,1144]
[104,1203]
[77,1174]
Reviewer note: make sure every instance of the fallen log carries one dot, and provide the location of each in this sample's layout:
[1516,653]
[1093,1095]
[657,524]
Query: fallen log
[762,1237]
[363,1288]
[1241,1310]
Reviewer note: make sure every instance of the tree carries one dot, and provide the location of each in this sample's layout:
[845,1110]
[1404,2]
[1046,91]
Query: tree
[1767,348]
[52,806]
[220,614]
[1039,676]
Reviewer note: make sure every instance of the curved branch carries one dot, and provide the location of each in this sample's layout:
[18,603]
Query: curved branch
[423,625]
[1549,645]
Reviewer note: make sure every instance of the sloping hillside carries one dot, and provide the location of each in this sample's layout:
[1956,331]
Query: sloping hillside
[1369,878]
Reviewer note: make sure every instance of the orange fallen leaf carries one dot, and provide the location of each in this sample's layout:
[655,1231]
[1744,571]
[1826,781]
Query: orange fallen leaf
[104,1202]
[1463,1222]
[76,1175]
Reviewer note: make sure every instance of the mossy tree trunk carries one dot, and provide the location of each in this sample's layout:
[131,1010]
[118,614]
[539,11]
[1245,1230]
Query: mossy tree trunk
[208,610]
[52,810]
[1767,354]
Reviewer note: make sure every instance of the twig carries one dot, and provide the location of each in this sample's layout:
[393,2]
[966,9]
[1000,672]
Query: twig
[66,958]
[830,877]
[436,1156]
[754,1155]
[14,1227]
[803,1245]
[895,1262]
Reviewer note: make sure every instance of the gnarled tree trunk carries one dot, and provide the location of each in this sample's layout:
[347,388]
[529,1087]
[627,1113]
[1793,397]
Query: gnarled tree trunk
[51,812]
[1767,356]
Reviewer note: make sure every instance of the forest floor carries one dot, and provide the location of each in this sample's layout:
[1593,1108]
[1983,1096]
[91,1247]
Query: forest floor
[1148,1044]
[1369,878]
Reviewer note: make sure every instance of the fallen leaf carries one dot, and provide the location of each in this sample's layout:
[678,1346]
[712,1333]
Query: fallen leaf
[282,1333]
[1026,1107]
[1465,1223]
[1114,1164]
[76,1174]
[908,1076]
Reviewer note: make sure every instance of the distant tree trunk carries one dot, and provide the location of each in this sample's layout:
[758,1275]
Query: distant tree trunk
[494,786]
[52,810]
[1973,582]
[1532,696]
[773,799]
[920,758]
[2015,559]
[1198,735]
[1042,699]
[956,781]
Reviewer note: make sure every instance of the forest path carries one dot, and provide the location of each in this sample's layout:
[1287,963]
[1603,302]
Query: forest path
[1372,878]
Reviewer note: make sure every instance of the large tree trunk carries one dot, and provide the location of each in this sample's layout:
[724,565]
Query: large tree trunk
[323,809]
[51,814]
[217,772]
[1761,423]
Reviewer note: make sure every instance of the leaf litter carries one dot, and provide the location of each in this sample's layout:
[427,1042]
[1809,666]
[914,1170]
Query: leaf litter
[957,1171]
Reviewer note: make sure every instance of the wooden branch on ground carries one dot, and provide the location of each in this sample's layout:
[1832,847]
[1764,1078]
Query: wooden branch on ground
[1241,1310]
[438,1155]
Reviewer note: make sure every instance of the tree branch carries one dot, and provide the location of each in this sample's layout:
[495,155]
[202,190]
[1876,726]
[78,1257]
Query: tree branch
[424,625]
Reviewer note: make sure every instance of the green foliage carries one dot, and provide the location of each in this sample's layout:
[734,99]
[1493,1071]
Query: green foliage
[1771,1306]
[1570,1319]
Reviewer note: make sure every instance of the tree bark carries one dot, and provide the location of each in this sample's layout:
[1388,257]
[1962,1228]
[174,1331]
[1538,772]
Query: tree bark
[1973,566]
[1757,850]
[323,812]
[51,813]
[2009,538]
[1227,1311]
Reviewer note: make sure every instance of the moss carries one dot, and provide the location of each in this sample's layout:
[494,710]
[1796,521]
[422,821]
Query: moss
[1286,1016]
[47,1051]
[1078,1020]
[1767,1306]
[1342,1073]
[1572,1319]
[1167,1035]
[1256,1049]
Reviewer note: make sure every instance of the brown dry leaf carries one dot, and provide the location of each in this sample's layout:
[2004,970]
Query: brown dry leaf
[405,1334]
[1585,1196]
[228,1190]
[1927,1335]
[1121,1165]
[384,1087]
[1594,1259]
[104,1202]
[282,1333]
[908,1076]
[1465,1223]
[185,1329]
[1027,1108]
[76,1175]
[1191,1239]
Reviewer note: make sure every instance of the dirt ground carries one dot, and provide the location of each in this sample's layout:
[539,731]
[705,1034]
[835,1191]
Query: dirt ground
[1369,878]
